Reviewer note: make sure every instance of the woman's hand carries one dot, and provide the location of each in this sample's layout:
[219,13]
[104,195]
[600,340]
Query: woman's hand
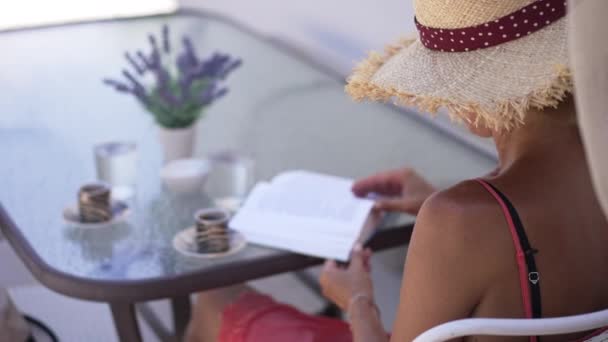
[404,190]
[340,285]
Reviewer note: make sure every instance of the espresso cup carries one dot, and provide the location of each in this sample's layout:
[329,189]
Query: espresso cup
[94,204]
[212,230]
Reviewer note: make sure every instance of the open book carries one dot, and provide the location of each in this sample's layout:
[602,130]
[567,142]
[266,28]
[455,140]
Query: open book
[304,212]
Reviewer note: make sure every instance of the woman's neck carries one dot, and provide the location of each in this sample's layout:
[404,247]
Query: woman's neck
[540,138]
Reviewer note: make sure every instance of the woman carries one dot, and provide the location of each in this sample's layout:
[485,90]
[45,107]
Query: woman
[527,240]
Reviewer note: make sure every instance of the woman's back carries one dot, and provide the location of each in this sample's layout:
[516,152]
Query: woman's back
[550,188]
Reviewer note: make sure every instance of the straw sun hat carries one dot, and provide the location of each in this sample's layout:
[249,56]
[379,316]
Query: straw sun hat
[487,61]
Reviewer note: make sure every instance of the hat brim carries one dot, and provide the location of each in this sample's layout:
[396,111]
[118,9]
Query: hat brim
[495,86]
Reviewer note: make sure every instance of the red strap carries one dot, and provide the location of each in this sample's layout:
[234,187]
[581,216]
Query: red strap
[521,261]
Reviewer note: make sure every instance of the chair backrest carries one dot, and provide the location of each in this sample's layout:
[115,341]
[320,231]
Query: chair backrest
[518,327]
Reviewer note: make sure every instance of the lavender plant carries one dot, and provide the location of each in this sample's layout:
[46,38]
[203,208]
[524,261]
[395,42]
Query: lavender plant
[181,89]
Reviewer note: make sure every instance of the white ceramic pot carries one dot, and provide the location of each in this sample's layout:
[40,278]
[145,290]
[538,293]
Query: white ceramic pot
[177,143]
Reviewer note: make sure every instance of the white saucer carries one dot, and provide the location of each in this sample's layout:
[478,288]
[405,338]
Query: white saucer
[183,242]
[71,216]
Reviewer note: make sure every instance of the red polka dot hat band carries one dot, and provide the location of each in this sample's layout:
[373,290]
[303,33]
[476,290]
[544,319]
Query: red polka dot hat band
[513,26]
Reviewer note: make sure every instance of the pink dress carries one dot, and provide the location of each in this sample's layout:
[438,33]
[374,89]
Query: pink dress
[255,317]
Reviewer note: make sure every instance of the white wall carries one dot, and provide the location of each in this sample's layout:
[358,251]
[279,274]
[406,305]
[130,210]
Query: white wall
[339,32]
[336,33]
[27,13]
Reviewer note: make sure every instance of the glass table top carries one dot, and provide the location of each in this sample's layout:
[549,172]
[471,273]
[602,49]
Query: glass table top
[281,111]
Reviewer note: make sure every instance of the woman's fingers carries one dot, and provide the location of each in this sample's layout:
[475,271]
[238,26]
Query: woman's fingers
[388,183]
[401,190]
[367,255]
[340,284]
[328,270]
[330,265]
[358,259]
[395,204]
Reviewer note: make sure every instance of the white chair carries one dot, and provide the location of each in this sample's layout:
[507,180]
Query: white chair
[519,327]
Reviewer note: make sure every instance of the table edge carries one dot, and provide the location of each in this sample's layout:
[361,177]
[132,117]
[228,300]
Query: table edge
[166,287]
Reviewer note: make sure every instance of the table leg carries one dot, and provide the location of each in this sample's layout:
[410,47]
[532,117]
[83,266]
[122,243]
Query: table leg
[181,308]
[309,281]
[146,313]
[125,321]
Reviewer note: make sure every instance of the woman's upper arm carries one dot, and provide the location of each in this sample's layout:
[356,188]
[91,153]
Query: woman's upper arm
[444,275]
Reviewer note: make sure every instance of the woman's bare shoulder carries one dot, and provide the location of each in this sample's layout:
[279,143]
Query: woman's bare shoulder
[454,257]
[466,217]
[462,204]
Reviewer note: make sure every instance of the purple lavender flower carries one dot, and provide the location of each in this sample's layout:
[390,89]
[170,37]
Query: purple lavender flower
[182,64]
[190,54]
[175,100]
[221,93]
[166,44]
[121,87]
[141,95]
[163,79]
[207,68]
[144,60]
[211,94]
[206,96]
[155,60]
[231,67]
[155,55]
[134,82]
[137,67]
[217,66]
[184,85]
[169,98]
[153,43]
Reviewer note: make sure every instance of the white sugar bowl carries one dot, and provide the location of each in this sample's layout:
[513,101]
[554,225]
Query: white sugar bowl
[185,175]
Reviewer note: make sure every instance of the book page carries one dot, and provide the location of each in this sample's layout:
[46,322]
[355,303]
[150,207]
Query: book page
[304,212]
[309,195]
